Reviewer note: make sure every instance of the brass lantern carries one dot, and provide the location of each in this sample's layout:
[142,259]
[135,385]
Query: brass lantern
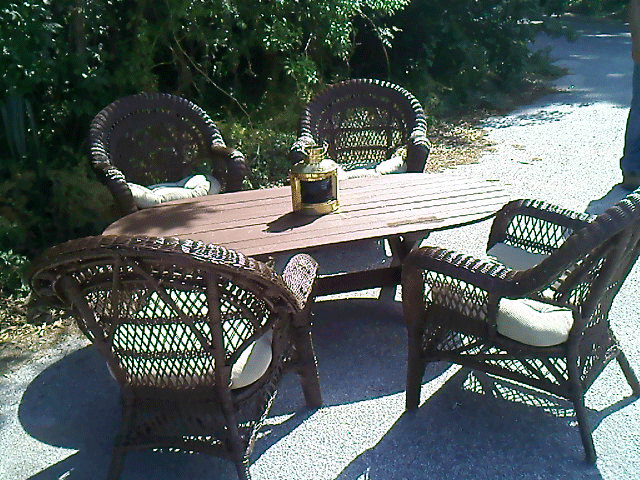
[314,183]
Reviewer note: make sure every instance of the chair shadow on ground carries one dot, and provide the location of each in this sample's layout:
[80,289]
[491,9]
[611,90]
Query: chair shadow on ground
[361,349]
[74,404]
[476,427]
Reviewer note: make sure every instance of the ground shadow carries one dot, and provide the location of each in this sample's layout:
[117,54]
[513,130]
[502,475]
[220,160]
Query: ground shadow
[361,350]
[74,404]
[613,196]
[460,432]
[597,42]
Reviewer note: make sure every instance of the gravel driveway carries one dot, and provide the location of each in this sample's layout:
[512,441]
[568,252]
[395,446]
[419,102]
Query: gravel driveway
[59,413]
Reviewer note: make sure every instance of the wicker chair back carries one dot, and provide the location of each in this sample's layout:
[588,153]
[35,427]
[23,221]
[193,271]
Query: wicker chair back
[173,319]
[154,138]
[363,122]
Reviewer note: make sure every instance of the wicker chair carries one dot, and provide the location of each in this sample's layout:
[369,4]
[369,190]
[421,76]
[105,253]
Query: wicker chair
[197,336]
[545,322]
[154,138]
[364,123]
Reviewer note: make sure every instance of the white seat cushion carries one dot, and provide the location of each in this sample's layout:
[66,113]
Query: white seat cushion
[253,362]
[250,366]
[533,323]
[397,163]
[356,173]
[514,257]
[189,187]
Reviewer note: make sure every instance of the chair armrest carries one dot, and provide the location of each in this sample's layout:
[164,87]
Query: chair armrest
[297,151]
[463,288]
[535,226]
[116,182]
[435,277]
[485,274]
[418,147]
[300,275]
[235,166]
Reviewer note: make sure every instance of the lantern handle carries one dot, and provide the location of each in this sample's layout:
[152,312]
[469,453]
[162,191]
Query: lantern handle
[316,152]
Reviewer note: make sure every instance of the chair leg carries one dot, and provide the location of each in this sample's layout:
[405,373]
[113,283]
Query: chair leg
[585,429]
[629,374]
[119,451]
[400,246]
[416,365]
[243,470]
[117,462]
[577,397]
[236,449]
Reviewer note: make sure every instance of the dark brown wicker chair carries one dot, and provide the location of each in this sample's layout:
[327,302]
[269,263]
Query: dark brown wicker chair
[185,328]
[154,138]
[471,311]
[363,122]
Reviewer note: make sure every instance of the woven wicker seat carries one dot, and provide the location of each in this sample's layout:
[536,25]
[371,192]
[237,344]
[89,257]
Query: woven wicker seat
[173,320]
[486,316]
[364,123]
[153,138]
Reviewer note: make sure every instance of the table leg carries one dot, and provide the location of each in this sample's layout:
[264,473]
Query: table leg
[400,246]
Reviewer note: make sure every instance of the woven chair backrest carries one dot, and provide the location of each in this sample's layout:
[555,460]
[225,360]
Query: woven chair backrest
[163,318]
[154,138]
[589,268]
[362,121]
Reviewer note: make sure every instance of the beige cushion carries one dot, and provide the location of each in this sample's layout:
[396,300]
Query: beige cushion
[190,187]
[397,163]
[253,362]
[356,173]
[514,257]
[533,323]
[250,366]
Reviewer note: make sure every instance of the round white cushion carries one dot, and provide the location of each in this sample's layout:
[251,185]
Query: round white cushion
[189,187]
[253,362]
[524,320]
[533,323]
[397,163]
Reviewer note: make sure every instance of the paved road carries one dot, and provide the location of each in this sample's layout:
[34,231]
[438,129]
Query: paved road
[59,413]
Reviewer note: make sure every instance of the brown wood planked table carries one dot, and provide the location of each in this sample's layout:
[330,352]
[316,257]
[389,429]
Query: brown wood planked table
[260,223]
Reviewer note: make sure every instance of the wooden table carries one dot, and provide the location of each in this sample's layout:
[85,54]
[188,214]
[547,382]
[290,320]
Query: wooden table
[260,223]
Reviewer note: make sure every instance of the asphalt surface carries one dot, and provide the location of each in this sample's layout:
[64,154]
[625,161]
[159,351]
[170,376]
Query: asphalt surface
[60,412]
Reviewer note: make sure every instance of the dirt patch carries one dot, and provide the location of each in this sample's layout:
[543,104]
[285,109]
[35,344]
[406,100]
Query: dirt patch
[455,144]
[26,330]
[458,138]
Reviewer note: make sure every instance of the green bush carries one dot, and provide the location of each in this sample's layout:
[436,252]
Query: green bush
[458,51]
[12,267]
[40,202]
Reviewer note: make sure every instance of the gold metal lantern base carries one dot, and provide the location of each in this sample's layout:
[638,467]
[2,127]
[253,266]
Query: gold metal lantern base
[314,183]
